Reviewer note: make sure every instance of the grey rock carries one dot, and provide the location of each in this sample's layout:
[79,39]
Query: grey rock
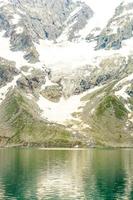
[52,93]
[119,28]
[20,42]
[7,71]
[31,82]
[102,79]
[4,24]
[43,19]
[130,93]
[32,55]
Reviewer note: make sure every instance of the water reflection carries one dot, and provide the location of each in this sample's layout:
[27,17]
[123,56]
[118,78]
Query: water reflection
[64,177]
[31,174]
[110,178]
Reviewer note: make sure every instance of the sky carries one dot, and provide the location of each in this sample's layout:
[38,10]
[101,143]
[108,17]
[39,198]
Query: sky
[107,6]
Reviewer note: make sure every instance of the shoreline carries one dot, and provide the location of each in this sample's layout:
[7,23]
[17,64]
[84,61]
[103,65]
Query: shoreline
[19,146]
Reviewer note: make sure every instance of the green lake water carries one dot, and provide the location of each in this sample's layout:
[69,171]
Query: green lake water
[38,174]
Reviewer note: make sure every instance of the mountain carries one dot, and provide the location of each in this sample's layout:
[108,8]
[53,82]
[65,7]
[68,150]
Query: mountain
[119,27]
[66,73]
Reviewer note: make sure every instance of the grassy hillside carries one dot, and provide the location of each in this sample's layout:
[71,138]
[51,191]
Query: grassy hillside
[25,127]
[107,117]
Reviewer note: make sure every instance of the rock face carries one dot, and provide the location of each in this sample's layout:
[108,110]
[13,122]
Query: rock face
[52,93]
[31,55]
[31,82]
[26,22]
[48,22]
[130,92]
[7,71]
[42,19]
[119,28]
[87,77]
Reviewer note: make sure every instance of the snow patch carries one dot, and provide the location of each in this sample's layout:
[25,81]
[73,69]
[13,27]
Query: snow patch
[122,92]
[124,80]
[19,30]
[127,106]
[67,56]
[48,83]
[62,111]
[3,2]
[73,13]
[16,19]
[10,55]
[59,112]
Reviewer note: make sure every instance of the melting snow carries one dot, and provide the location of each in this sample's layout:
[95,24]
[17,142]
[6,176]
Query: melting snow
[124,80]
[127,106]
[62,111]
[58,112]
[69,55]
[122,92]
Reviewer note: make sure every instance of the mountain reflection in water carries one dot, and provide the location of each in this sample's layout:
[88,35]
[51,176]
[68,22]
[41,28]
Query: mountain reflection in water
[94,174]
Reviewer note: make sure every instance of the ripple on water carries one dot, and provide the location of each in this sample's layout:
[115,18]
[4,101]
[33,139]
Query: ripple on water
[95,174]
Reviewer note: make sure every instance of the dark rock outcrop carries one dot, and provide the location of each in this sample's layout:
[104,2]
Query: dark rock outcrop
[7,71]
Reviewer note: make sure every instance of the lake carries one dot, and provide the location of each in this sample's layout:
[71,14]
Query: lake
[91,174]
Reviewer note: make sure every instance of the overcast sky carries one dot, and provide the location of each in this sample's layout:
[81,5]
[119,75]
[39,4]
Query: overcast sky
[101,4]
[104,9]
